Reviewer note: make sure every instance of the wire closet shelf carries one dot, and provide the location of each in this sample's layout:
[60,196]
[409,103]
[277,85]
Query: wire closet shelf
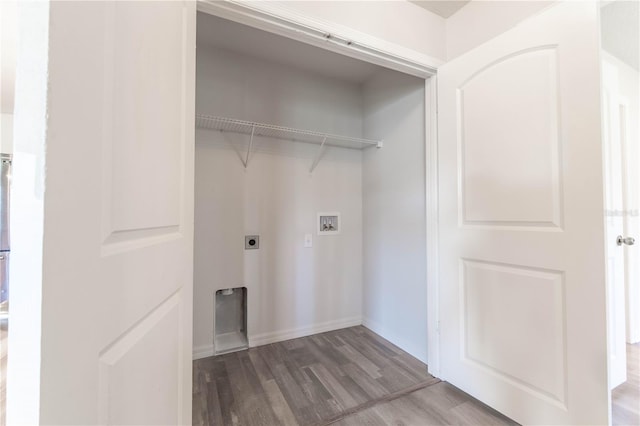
[232,125]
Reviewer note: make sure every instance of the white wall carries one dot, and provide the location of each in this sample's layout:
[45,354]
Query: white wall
[395,288]
[399,22]
[480,21]
[292,290]
[6,133]
[8,51]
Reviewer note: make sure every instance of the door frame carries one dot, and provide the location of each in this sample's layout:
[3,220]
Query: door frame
[278,19]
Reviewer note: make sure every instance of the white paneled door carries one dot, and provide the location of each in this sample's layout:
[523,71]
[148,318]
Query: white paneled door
[522,274]
[118,232]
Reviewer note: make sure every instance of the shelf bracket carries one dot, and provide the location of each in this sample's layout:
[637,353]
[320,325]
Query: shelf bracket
[246,160]
[318,156]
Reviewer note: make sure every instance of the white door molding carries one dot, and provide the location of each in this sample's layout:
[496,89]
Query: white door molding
[277,19]
[431,208]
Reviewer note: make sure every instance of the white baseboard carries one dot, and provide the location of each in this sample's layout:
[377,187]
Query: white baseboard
[386,334]
[279,336]
[203,351]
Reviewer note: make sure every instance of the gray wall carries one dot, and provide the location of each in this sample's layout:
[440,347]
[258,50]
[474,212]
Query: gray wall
[292,290]
[394,242]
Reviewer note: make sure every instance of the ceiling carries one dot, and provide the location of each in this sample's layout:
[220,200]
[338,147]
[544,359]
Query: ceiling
[224,34]
[444,8]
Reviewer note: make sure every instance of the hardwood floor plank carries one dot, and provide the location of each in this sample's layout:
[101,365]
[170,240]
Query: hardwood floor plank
[247,402]
[322,392]
[325,354]
[625,399]
[473,413]
[373,389]
[370,335]
[406,411]
[371,353]
[420,408]
[363,418]
[260,409]
[303,357]
[279,404]
[262,369]
[335,388]
[385,350]
[294,395]
[214,408]
[374,402]
[361,361]
[333,339]
[221,387]
[395,379]
[411,364]
[444,395]
[199,409]
[359,394]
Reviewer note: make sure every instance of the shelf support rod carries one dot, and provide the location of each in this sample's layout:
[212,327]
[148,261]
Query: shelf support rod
[320,151]
[246,161]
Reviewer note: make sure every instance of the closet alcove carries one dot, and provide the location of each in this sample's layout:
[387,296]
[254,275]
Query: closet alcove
[286,132]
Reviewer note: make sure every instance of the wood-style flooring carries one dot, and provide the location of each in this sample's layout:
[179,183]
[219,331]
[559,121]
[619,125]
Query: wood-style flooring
[440,404]
[625,399]
[348,377]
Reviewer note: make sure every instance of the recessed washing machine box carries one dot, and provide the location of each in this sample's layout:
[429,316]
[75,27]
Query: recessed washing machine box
[328,223]
[230,327]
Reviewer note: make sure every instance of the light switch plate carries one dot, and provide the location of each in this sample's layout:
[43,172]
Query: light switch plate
[308,240]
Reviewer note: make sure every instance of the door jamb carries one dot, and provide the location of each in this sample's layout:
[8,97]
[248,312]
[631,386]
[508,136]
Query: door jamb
[431,210]
[278,19]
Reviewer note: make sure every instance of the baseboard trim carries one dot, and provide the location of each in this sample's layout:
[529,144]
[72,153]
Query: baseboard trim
[203,351]
[294,333]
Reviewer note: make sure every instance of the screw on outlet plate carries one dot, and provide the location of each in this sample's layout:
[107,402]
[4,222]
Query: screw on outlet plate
[251,242]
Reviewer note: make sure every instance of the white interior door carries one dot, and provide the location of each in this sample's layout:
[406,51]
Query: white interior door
[613,117]
[522,275]
[118,213]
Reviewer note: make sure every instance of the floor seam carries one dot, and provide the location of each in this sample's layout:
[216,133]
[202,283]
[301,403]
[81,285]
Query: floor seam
[387,398]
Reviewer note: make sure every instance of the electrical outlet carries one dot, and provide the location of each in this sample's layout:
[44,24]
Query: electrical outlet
[308,240]
[251,242]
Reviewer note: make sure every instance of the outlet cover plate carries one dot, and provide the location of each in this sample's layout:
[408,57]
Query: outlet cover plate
[251,242]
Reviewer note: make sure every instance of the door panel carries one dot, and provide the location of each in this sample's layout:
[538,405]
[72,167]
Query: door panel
[117,280]
[145,196]
[126,401]
[522,296]
[521,156]
[514,315]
